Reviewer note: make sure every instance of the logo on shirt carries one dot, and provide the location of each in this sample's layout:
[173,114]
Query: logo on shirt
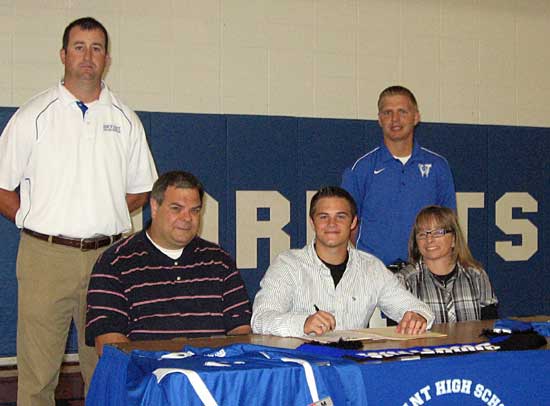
[220,354]
[377,171]
[424,169]
[111,128]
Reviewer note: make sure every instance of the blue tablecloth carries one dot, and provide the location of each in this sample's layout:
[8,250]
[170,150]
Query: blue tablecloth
[493,378]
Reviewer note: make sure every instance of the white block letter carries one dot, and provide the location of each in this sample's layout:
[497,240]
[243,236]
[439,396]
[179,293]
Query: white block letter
[509,225]
[210,219]
[249,229]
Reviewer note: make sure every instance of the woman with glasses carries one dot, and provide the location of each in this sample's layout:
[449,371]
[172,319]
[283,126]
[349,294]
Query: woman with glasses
[442,272]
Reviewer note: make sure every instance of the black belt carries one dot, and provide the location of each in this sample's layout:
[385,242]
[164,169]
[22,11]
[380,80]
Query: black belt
[83,244]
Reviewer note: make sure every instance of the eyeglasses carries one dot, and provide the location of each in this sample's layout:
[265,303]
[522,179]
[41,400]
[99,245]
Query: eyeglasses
[435,233]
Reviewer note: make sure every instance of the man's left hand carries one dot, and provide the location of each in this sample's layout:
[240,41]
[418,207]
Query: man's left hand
[412,323]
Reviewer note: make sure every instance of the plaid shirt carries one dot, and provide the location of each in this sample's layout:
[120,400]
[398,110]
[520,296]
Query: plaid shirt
[460,298]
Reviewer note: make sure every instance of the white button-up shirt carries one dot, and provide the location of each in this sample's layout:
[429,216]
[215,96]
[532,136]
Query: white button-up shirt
[297,281]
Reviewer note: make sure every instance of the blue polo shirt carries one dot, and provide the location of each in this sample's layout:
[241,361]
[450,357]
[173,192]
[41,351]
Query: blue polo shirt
[389,195]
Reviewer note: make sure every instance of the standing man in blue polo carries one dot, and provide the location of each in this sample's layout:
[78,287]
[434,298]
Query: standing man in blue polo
[394,181]
[81,162]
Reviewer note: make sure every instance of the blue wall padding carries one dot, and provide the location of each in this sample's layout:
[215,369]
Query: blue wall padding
[292,155]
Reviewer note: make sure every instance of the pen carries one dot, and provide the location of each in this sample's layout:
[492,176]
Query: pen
[315,307]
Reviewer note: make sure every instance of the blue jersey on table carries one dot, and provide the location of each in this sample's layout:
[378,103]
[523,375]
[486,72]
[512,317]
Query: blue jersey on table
[242,374]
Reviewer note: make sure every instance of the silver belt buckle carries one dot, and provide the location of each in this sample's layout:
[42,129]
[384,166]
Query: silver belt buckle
[93,241]
[82,242]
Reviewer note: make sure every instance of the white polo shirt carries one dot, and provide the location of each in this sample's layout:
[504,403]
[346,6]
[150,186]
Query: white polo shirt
[74,171]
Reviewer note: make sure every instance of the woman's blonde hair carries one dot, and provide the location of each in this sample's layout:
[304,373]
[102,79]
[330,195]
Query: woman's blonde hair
[444,218]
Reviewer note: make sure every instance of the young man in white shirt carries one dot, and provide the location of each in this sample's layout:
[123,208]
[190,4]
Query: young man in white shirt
[329,284]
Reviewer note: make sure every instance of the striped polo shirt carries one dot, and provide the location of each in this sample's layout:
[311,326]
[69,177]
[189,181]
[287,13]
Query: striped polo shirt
[138,291]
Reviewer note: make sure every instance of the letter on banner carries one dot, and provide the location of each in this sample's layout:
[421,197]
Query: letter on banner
[210,219]
[465,201]
[310,232]
[249,229]
[505,221]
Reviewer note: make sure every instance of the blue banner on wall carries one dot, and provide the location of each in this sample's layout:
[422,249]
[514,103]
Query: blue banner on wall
[259,169]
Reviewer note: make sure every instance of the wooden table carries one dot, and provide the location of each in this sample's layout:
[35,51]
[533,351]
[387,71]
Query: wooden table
[457,333]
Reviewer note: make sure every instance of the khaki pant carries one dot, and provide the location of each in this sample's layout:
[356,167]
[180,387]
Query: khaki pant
[52,284]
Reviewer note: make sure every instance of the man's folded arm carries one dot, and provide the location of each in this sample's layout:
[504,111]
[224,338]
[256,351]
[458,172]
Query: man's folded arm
[272,309]
[107,311]
[395,300]
[266,321]
[9,203]
[136,200]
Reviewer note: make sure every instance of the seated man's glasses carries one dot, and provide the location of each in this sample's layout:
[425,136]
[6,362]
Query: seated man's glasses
[435,233]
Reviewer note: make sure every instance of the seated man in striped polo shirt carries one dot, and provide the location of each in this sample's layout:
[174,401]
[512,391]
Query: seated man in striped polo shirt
[165,281]
[329,284]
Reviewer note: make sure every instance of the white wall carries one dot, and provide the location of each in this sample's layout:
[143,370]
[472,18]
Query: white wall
[468,61]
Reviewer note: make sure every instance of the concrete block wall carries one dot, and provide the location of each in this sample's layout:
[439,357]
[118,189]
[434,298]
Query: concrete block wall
[468,61]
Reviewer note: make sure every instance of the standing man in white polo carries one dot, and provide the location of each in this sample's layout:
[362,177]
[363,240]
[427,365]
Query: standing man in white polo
[82,164]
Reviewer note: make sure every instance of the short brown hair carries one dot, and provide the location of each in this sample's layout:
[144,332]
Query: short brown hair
[177,179]
[394,91]
[445,218]
[332,191]
[87,24]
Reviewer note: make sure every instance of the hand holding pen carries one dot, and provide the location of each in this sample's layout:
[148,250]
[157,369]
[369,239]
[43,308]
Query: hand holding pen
[319,322]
